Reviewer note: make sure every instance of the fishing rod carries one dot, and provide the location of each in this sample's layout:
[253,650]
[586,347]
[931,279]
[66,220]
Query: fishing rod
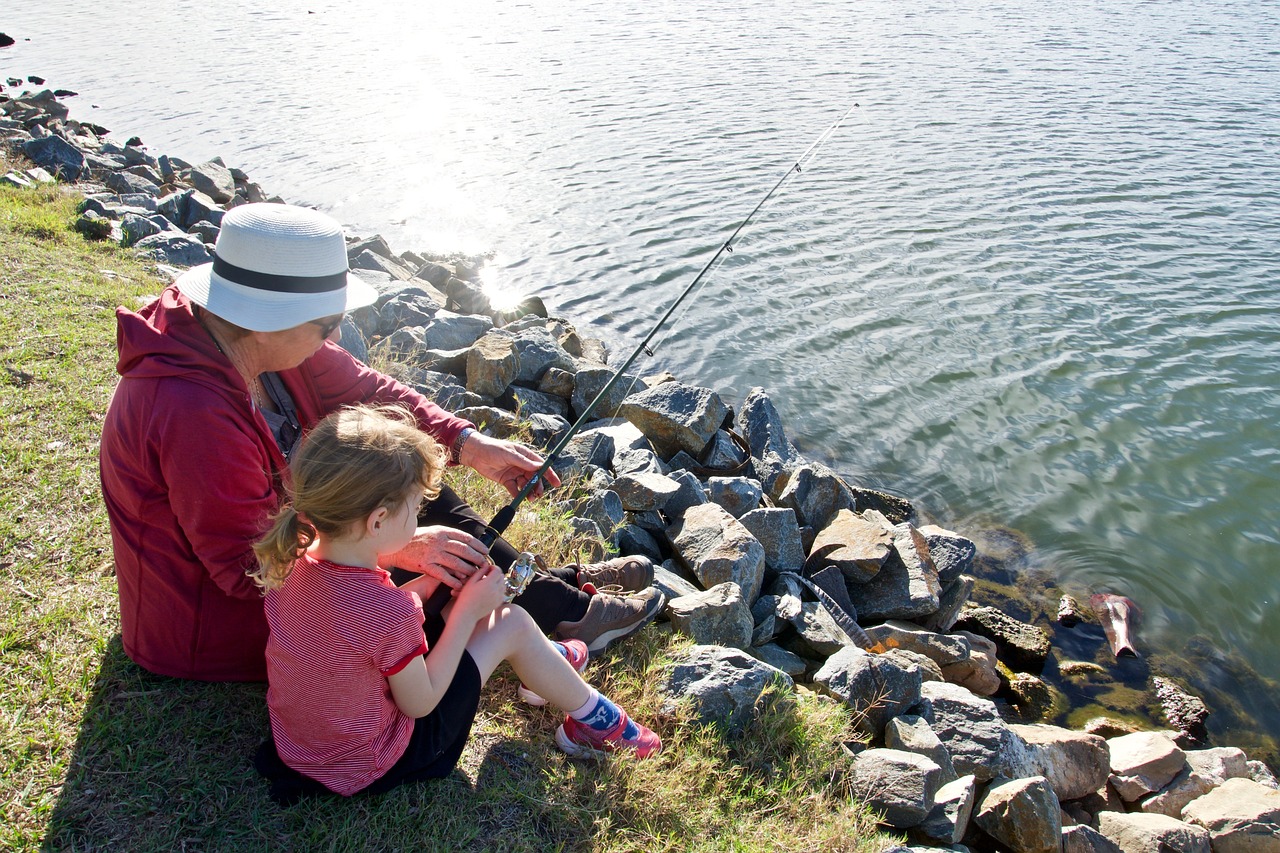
[507,513]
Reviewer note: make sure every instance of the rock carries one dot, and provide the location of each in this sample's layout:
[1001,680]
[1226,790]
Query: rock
[1240,815]
[1262,774]
[980,742]
[214,180]
[817,636]
[857,546]
[1032,698]
[449,331]
[913,734]
[1074,763]
[978,672]
[1021,814]
[738,495]
[1218,763]
[1185,787]
[539,352]
[492,363]
[776,530]
[179,250]
[124,182]
[1086,839]
[530,402]
[93,225]
[558,382]
[58,156]
[723,685]
[604,507]
[906,587]
[951,602]
[816,493]
[1022,647]
[1186,713]
[899,785]
[671,582]
[876,688]
[690,495]
[1145,833]
[722,453]
[942,649]
[716,617]
[1143,763]
[948,820]
[953,555]
[775,655]
[717,548]
[676,416]
[642,492]
[1069,612]
[590,382]
[772,454]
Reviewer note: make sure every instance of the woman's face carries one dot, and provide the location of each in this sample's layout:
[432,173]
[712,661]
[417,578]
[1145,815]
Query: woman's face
[288,348]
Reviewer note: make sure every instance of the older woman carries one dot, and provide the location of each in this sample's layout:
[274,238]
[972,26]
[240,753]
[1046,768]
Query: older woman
[220,377]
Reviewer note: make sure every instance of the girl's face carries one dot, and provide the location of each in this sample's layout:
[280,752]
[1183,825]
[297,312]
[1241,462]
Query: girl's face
[397,528]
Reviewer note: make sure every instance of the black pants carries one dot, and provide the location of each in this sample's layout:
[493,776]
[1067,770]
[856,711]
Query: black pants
[550,599]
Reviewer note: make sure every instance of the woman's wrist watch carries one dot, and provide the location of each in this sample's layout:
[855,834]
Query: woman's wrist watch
[455,451]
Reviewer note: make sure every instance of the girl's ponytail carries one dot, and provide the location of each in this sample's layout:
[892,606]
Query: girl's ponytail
[289,537]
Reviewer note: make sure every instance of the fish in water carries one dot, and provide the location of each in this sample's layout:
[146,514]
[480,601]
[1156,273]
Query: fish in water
[1117,615]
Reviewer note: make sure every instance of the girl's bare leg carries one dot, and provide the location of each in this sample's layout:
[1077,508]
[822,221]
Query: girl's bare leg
[510,634]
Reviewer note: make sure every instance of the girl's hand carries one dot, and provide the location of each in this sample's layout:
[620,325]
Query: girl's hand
[450,556]
[481,594]
[506,463]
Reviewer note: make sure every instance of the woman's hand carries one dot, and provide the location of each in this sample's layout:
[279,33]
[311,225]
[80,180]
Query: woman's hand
[451,556]
[481,594]
[506,463]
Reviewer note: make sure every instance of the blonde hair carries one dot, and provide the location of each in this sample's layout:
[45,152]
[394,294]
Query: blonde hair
[354,461]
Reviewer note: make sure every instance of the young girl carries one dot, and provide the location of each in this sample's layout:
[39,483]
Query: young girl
[360,698]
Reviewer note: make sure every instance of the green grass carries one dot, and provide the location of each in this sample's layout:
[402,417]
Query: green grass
[97,754]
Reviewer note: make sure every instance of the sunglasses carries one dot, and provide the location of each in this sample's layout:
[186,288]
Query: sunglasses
[328,324]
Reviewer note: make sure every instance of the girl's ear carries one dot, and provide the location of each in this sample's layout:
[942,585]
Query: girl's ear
[373,524]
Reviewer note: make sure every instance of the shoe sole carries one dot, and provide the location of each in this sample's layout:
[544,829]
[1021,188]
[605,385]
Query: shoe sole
[600,643]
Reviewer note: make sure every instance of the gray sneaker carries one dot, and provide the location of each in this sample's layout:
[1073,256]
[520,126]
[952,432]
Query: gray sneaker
[629,573]
[613,616]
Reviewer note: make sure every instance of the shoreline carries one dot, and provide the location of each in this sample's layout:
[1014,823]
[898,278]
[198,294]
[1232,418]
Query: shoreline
[376,258]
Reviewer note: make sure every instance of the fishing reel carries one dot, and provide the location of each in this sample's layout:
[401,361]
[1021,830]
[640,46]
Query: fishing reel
[518,576]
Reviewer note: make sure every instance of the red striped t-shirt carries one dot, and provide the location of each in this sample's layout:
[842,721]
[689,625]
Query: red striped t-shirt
[337,632]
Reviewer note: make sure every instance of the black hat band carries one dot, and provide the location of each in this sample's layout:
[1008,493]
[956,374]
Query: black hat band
[279,283]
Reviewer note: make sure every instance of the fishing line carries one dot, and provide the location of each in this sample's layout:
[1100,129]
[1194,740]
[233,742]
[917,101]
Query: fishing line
[507,513]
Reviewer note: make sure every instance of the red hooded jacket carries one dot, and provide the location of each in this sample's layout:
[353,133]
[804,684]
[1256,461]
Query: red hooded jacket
[191,475]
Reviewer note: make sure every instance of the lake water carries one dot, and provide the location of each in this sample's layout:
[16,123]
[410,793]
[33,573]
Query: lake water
[1033,282]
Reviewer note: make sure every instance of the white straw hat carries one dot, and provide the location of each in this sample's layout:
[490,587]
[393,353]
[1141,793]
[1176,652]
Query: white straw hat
[276,266]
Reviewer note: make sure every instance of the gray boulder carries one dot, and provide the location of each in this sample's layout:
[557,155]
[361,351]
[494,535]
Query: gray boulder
[772,453]
[857,546]
[1240,815]
[816,493]
[58,156]
[178,250]
[717,548]
[980,742]
[1075,763]
[676,416]
[899,785]
[776,530]
[738,495]
[876,688]
[716,617]
[724,686]
[1143,833]
[1143,763]
[1021,814]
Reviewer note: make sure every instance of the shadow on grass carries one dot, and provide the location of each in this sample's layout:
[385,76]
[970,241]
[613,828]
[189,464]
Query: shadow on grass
[166,764]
